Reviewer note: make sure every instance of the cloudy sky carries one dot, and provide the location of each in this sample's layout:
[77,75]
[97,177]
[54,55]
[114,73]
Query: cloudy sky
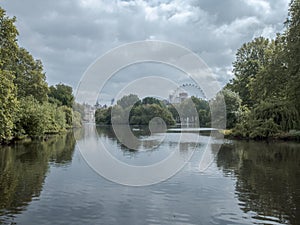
[68,35]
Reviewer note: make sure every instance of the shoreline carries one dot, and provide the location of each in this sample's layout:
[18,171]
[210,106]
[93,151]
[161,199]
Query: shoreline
[286,136]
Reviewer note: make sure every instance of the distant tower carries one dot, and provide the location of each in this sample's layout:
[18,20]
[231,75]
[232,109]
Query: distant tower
[97,106]
[183,96]
[112,101]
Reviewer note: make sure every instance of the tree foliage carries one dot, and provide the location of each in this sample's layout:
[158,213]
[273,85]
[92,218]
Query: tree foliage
[24,106]
[128,100]
[269,84]
[142,114]
[62,94]
[8,40]
[30,78]
[292,53]
[8,105]
[250,58]
[37,119]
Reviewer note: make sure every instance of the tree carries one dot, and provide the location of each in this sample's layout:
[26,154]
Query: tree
[128,100]
[271,80]
[233,107]
[36,119]
[30,78]
[151,100]
[292,36]
[8,41]
[249,60]
[63,93]
[143,114]
[103,116]
[203,109]
[8,105]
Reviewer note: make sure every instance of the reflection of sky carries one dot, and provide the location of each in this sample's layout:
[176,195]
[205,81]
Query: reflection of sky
[154,148]
[77,195]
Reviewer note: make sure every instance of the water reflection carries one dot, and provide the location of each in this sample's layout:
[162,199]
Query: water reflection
[23,168]
[268,184]
[249,182]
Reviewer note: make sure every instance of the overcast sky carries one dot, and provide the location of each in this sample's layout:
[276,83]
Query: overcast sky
[68,35]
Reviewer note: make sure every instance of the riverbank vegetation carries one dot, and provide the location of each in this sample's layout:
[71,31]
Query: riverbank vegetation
[134,111]
[28,106]
[267,79]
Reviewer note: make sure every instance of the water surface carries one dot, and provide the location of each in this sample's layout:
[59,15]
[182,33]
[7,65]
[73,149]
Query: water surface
[48,182]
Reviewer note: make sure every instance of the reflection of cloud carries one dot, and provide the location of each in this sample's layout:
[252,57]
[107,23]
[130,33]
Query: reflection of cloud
[69,35]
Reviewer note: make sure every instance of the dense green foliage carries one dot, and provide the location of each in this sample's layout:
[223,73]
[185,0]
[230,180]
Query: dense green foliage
[103,116]
[25,109]
[30,79]
[267,78]
[8,105]
[130,109]
[250,58]
[142,114]
[61,94]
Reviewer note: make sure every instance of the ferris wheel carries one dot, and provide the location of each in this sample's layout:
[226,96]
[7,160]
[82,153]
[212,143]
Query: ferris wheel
[184,91]
[191,89]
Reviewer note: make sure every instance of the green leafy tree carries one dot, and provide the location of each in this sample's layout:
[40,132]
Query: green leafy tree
[267,119]
[233,107]
[292,36]
[103,116]
[8,100]
[249,60]
[30,78]
[36,119]
[151,100]
[271,80]
[8,106]
[8,41]
[128,100]
[142,114]
[172,109]
[69,115]
[203,109]
[63,94]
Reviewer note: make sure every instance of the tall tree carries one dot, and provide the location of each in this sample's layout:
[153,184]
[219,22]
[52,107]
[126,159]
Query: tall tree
[30,78]
[8,50]
[8,105]
[8,40]
[63,93]
[271,79]
[128,100]
[293,52]
[249,60]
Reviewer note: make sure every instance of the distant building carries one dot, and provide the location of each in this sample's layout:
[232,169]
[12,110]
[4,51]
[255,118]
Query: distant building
[178,98]
[89,113]
[183,96]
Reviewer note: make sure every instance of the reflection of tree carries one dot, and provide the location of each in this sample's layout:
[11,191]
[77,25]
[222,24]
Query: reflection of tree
[23,168]
[267,177]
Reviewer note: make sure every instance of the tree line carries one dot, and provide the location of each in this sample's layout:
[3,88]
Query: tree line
[134,111]
[28,106]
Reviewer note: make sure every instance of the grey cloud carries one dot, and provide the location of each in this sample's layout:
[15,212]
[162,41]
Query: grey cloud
[68,35]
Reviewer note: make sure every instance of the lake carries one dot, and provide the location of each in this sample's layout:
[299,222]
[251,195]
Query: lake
[49,182]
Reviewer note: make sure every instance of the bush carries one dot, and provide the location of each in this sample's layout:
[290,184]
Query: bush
[36,119]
